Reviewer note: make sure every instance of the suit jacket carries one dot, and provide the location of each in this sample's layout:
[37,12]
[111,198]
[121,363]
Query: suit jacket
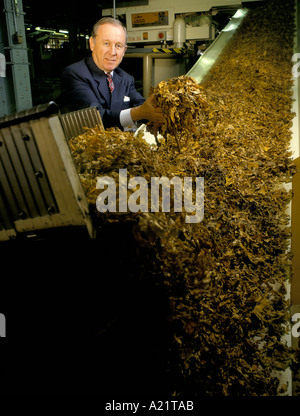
[85,85]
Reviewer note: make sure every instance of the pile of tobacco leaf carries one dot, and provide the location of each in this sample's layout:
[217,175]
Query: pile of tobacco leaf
[181,100]
[226,275]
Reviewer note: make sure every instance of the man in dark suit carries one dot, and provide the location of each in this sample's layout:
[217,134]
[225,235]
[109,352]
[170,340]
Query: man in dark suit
[97,81]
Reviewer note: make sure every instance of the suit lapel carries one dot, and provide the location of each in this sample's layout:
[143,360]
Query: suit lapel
[114,100]
[100,79]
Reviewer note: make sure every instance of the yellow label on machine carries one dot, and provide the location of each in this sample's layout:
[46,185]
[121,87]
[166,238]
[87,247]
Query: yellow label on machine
[150,19]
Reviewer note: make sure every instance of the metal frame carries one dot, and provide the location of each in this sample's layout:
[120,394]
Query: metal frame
[39,187]
[16,86]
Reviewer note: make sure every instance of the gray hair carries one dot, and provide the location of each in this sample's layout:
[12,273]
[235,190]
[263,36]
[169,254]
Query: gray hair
[109,20]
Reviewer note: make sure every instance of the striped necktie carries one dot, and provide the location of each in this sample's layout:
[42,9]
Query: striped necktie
[110,82]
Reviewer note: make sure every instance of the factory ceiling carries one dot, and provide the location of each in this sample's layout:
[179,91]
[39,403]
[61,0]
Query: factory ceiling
[58,14]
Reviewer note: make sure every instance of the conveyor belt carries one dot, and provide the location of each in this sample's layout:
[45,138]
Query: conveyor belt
[209,57]
[199,71]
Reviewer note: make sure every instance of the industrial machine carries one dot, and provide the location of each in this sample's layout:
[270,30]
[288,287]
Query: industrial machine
[40,188]
[165,37]
[175,21]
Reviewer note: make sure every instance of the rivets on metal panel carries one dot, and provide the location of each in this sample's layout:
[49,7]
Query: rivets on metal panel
[51,209]
[22,215]
[38,174]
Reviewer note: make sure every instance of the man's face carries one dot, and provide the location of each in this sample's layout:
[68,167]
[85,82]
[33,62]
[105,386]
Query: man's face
[108,47]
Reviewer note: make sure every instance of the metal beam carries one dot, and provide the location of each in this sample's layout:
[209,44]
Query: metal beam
[15,85]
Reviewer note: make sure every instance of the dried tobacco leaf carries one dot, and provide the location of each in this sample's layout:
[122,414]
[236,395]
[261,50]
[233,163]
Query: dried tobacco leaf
[181,100]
